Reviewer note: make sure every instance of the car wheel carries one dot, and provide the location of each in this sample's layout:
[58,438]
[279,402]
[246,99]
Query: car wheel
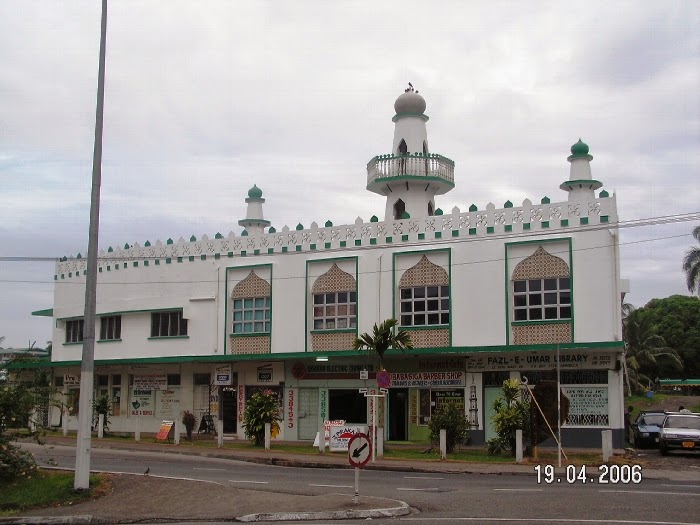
[663,450]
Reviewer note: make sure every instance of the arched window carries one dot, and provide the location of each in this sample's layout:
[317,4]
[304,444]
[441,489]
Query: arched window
[399,209]
[403,148]
[251,308]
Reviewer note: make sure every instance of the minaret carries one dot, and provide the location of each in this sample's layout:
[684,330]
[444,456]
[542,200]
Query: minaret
[581,184]
[254,223]
[410,176]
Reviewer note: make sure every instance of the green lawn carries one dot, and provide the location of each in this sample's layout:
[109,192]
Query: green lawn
[44,489]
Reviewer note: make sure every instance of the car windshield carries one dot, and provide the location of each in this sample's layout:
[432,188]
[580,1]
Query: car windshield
[691,422]
[652,419]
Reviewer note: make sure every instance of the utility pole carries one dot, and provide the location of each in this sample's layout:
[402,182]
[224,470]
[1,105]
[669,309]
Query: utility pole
[87,368]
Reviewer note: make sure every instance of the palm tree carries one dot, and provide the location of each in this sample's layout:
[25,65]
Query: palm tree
[644,347]
[382,338]
[691,264]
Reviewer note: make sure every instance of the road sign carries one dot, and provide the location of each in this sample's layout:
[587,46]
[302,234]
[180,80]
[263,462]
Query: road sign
[383,379]
[359,450]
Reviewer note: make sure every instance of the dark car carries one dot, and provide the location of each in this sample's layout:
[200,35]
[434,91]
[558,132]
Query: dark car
[680,431]
[645,429]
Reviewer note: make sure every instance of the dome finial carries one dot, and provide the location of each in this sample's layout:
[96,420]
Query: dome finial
[580,148]
[255,192]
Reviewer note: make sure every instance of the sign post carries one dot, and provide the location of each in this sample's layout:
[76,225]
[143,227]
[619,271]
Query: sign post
[382,392]
[359,451]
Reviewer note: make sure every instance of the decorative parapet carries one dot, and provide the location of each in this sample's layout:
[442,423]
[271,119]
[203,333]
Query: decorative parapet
[553,218]
[429,165]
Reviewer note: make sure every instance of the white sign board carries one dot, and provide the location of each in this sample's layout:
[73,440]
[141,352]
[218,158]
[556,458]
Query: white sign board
[223,376]
[340,436]
[427,379]
[142,403]
[150,382]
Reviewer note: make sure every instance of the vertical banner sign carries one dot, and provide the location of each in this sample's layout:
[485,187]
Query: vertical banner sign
[241,402]
[290,408]
[323,403]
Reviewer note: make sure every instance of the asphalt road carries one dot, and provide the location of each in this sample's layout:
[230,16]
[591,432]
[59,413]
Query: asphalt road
[440,498]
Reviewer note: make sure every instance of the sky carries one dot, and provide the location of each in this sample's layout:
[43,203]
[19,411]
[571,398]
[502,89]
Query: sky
[205,99]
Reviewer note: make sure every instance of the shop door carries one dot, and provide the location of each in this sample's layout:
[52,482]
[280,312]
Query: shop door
[490,395]
[308,413]
[398,414]
[229,407]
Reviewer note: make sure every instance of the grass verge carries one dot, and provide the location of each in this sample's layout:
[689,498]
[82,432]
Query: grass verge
[47,488]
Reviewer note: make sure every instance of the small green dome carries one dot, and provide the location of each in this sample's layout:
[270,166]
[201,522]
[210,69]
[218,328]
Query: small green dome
[580,148]
[255,192]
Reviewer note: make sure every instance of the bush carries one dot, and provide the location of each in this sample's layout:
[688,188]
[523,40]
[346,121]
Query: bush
[102,405]
[16,403]
[261,407]
[189,420]
[512,413]
[453,419]
[15,462]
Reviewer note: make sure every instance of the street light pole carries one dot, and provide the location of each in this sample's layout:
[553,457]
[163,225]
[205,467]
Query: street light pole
[87,368]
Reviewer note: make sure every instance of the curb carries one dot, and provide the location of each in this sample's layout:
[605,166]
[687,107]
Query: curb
[390,512]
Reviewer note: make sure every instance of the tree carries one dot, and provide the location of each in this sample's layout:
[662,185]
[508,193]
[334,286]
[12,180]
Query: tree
[677,320]
[451,417]
[691,264]
[17,404]
[645,351]
[383,338]
[262,407]
[512,413]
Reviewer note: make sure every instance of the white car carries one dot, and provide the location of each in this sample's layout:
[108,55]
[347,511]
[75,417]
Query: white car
[680,431]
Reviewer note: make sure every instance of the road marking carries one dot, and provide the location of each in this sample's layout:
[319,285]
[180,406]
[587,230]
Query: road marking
[556,520]
[201,468]
[520,490]
[431,489]
[652,492]
[248,481]
[419,477]
[331,486]
[679,486]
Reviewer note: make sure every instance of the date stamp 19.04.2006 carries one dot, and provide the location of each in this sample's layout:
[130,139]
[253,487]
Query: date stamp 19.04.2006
[602,475]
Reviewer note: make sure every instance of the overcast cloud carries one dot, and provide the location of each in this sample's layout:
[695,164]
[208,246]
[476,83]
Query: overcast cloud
[203,99]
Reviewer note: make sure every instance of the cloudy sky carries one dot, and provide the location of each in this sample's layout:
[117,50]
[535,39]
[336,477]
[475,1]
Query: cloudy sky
[203,99]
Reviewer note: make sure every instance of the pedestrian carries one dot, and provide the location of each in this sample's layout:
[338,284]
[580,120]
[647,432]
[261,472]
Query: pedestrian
[628,422]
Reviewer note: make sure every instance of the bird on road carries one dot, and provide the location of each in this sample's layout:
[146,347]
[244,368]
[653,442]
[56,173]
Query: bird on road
[147,471]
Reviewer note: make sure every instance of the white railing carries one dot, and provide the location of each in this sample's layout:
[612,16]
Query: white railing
[418,165]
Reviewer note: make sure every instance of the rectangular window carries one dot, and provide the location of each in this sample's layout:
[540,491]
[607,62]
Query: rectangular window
[74,331]
[252,315]
[542,299]
[110,327]
[168,324]
[201,379]
[335,311]
[173,379]
[102,380]
[425,306]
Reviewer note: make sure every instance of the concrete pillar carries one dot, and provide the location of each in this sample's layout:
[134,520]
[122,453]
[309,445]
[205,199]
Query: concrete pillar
[268,433]
[176,437]
[137,434]
[64,420]
[220,432]
[321,437]
[380,442]
[518,446]
[443,443]
[607,445]
[100,426]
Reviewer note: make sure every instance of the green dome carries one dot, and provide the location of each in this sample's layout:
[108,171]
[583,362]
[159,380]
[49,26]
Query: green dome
[580,148]
[255,192]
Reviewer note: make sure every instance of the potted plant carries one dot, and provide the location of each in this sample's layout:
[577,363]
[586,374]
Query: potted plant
[189,420]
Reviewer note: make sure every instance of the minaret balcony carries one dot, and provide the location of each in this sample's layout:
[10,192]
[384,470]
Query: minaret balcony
[432,168]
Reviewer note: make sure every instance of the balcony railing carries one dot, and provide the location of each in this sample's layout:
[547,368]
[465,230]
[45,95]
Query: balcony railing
[411,165]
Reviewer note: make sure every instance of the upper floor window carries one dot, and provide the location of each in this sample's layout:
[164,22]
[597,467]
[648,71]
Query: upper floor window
[335,310]
[74,331]
[168,324]
[110,327]
[425,305]
[542,299]
[251,315]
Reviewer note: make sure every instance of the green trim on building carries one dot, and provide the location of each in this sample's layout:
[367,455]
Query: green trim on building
[43,313]
[169,337]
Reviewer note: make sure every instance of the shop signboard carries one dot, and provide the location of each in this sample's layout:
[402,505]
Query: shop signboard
[427,379]
[168,403]
[340,436]
[71,380]
[142,403]
[588,405]
[264,374]
[150,382]
[539,360]
[223,376]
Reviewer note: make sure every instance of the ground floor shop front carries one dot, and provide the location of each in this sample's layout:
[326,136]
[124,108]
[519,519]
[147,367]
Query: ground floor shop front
[312,392]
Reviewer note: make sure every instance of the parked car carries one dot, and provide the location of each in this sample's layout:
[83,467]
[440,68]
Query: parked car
[644,431]
[679,431]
